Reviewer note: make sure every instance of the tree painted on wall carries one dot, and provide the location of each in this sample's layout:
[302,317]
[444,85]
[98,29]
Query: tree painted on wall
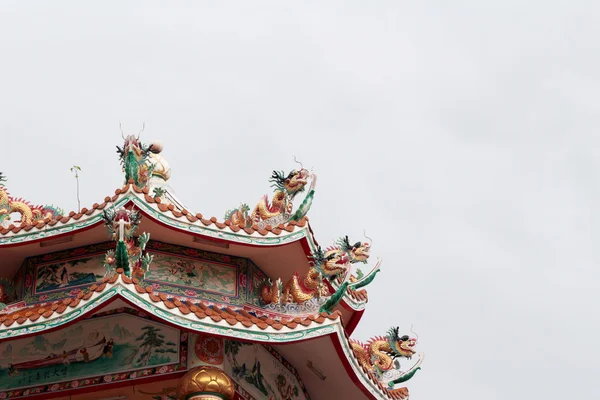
[153,344]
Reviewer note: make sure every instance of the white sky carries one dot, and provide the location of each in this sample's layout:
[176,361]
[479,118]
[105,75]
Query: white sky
[460,135]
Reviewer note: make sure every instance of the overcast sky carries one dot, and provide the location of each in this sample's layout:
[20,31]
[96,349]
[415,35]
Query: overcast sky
[462,135]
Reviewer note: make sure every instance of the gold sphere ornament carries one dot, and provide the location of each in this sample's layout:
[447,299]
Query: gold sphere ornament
[205,383]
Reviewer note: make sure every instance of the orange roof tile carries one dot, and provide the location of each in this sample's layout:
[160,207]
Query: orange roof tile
[289,227]
[200,309]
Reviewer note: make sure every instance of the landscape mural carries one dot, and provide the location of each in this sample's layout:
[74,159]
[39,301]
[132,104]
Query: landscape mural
[177,270]
[96,350]
[62,274]
[190,273]
[260,372]
[69,274]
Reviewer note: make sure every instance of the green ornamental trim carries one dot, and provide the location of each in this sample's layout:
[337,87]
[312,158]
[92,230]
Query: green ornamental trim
[158,215]
[239,333]
[234,333]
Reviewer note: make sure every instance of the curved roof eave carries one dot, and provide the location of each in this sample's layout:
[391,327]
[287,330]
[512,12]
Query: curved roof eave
[221,322]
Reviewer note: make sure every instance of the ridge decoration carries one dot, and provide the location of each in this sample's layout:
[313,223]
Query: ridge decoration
[137,159]
[280,209]
[29,214]
[128,255]
[379,356]
[326,265]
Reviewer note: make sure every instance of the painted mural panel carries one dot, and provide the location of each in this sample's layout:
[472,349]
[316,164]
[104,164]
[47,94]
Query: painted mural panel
[106,348]
[180,271]
[190,273]
[162,390]
[68,274]
[258,370]
[62,274]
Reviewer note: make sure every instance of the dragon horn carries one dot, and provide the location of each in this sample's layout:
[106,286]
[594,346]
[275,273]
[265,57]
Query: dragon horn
[411,329]
[143,127]
[121,128]
[365,233]
[298,162]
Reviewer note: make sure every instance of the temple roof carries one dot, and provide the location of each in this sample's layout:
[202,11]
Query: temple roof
[192,315]
[271,232]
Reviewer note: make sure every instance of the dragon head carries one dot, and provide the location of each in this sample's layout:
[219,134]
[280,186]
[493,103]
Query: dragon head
[358,252]
[294,183]
[112,217]
[402,346]
[331,263]
[134,156]
[132,144]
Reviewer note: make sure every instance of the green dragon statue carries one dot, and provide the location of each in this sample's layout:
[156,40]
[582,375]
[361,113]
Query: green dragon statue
[136,159]
[128,255]
[280,210]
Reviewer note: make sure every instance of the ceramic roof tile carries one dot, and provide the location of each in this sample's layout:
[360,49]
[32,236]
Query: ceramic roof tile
[64,219]
[198,308]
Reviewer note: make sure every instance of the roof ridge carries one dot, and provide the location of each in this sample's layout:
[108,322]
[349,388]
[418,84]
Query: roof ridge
[162,207]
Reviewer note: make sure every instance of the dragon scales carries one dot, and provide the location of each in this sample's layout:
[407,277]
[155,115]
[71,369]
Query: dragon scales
[378,355]
[329,264]
[280,209]
[29,214]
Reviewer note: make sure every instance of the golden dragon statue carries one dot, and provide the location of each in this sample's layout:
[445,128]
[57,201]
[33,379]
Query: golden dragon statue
[279,210]
[330,264]
[29,214]
[379,354]
[326,264]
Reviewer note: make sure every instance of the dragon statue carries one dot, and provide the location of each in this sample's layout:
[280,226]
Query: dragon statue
[140,161]
[129,253]
[379,354]
[325,264]
[29,214]
[357,252]
[279,210]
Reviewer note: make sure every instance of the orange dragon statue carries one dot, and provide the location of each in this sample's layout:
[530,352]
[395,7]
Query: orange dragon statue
[29,214]
[279,211]
[379,355]
[326,264]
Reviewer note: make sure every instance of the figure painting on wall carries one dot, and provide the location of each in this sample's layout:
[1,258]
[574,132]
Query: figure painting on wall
[109,344]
